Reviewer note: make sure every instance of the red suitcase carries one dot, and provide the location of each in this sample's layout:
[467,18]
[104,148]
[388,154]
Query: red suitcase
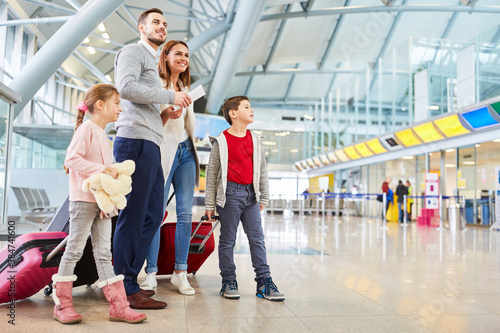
[24,269]
[201,246]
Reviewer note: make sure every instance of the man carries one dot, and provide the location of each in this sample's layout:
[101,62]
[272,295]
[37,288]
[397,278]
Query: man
[401,191]
[139,134]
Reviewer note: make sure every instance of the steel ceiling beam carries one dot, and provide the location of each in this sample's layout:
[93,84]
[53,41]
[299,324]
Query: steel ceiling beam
[333,37]
[290,83]
[276,39]
[246,18]
[40,20]
[192,10]
[52,6]
[45,62]
[90,66]
[192,18]
[73,4]
[378,9]
[297,70]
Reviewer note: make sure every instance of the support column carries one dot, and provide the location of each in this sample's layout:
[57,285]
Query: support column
[59,48]
[247,16]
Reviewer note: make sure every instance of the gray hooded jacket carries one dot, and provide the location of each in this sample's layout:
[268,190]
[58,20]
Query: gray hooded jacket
[217,172]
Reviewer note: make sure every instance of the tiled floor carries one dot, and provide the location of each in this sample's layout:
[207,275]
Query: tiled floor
[351,276]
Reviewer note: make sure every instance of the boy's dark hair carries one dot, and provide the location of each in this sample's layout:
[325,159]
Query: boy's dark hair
[232,104]
[144,15]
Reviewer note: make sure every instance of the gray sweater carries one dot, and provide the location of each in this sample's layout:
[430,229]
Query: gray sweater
[217,172]
[137,80]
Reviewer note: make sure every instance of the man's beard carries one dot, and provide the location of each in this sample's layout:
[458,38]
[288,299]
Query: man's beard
[157,40]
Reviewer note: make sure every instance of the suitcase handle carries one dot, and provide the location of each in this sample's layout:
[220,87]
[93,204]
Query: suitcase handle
[205,218]
[57,248]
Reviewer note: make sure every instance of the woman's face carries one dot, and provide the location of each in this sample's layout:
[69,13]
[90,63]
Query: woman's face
[178,58]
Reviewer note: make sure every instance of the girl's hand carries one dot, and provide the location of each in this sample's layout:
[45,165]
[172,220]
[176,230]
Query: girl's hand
[111,172]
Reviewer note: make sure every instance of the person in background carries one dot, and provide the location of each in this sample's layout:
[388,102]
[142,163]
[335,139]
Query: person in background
[410,200]
[401,191]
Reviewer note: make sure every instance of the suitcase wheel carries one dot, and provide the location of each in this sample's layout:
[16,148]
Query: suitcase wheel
[194,273]
[48,290]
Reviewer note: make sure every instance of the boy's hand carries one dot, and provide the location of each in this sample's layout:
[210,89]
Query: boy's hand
[209,214]
[182,99]
[262,206]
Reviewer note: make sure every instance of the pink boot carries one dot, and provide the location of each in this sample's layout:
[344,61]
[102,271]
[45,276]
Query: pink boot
[119,309]
[63,310]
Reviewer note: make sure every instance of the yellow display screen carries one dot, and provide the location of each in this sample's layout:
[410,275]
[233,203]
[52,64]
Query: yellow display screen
[428,132]
[408,138]
[352,153]
[363,150]
[451,126]
[375,146]
[341,155]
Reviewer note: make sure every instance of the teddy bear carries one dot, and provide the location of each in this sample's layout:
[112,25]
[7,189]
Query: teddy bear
[109,192]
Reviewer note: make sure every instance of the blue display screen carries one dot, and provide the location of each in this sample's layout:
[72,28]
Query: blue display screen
[479,118]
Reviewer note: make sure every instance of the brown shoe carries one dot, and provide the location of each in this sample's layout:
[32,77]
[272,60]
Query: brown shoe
[139,301]
[147,293]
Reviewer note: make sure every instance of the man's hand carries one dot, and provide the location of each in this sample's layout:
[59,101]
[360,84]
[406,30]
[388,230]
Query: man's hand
[262,206]
[182,99]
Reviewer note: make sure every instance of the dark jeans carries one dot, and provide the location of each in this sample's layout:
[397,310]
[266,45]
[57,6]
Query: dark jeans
[139,221]
[241,205]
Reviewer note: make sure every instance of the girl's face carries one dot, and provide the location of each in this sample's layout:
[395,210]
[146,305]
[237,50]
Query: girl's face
[112,109]
[178,58]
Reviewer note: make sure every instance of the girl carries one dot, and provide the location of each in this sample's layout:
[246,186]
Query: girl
[180,165]
[89,153]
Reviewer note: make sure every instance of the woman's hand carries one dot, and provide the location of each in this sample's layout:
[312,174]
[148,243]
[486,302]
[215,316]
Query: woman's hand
[170,113]
[262,206]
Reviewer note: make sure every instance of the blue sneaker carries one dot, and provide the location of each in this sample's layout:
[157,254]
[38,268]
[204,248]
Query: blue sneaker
[268,290]
[229,289]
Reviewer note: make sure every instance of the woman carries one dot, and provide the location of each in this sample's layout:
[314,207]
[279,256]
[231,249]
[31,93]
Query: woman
[180,165]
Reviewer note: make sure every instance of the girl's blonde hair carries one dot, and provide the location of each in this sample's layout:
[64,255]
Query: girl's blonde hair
[98,92]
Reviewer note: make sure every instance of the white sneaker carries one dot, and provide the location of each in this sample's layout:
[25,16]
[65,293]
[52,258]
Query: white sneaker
[181,282]
[149,282]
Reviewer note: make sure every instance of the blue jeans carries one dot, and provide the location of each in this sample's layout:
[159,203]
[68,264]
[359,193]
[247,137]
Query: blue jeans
[241,205]
[183,177]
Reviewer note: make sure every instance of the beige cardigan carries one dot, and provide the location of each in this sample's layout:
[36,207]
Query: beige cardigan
[172,132]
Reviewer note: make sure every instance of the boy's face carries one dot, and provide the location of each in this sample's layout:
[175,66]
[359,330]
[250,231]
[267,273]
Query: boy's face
[244,113]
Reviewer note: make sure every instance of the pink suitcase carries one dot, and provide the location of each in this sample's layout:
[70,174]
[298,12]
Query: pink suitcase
[24,270]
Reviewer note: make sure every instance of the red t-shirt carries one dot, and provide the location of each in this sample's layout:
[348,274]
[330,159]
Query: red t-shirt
[240,158]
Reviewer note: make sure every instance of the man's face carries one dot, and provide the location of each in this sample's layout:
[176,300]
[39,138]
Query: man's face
[155,29]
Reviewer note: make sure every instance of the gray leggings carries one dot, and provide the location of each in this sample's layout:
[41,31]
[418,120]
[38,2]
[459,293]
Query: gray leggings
[84,218]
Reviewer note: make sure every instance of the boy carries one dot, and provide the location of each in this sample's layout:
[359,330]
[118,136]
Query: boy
[237,183]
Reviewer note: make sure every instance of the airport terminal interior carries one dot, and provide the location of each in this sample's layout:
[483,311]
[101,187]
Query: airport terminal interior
[350,97]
